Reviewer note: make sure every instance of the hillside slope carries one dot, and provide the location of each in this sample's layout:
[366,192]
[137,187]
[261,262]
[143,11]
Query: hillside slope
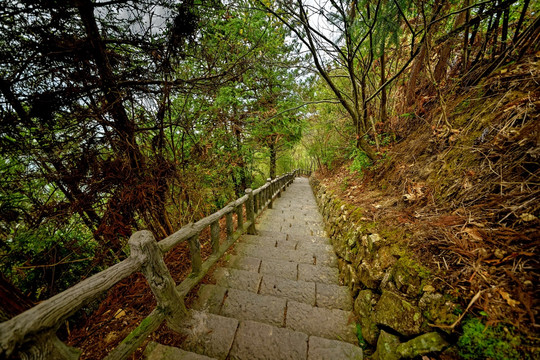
[460,192]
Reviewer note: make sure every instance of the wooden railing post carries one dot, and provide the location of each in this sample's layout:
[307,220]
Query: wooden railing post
[195,252]
[239,216]
[214,236]
[143,245]
[270,193]
[250,211]
[229,225]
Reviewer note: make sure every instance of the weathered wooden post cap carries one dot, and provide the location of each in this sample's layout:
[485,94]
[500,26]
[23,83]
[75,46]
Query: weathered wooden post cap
[248,191]
[269,180]
[138,242]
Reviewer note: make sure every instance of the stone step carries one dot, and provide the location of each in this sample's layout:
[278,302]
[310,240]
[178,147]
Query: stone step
[278,296]
[279,311]
[314,244]
[269,252]
[333,296]
[301,291]
[260,240]
[325,349]
[318,273]
[330,296]
[256,341]
[223,338]
[332,324]
[284,269]
[247,263]
[313,255]
[273,308]
[237,279]
[155,351]
[245,305]
[210,334]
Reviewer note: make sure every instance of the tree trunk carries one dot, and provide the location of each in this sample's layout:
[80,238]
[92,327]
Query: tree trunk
[272,147]
[444,55]
[504,35]
[384,101]
[362,144]
[465,57]
[520,21]
[241,184]
[124,126]
[415,70]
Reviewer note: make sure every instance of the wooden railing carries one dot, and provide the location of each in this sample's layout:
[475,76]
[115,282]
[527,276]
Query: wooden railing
[32,334]
[303,172]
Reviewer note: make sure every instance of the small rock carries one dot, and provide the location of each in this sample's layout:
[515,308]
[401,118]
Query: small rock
[374,238]
[428,288]
[371,241]
[365,240]
[387,345]
[111,337]
[369,274]
[399,314]
[119,313]
[499,254]
[429,299]
[527,217]
[423,344]
[363,306]
[436,309]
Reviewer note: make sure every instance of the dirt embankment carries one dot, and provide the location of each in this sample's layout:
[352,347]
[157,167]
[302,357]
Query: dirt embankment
[455,208]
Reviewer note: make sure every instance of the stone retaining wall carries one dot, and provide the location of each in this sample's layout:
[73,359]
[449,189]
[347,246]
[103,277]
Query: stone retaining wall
[393,298]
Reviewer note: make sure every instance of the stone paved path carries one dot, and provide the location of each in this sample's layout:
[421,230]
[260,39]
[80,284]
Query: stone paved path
[278,297]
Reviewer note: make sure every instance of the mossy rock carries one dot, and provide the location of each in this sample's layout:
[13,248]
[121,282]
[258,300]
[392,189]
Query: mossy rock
[387,345]
[386,257]
[409,276]
[421,345]
[363,307]
[369,274]
[398,314]
[437,309]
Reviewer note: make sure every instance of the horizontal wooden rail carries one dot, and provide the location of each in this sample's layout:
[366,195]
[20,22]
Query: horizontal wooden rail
[32,334]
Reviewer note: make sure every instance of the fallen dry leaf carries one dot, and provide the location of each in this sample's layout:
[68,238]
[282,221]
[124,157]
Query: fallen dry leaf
[119,313]
[473,233]
[527,217]
[509,300]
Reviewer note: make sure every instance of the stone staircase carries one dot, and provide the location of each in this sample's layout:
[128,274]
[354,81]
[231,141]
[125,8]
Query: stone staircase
[278,297]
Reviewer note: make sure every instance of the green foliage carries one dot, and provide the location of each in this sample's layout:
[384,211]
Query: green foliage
[385,139]
[360,161]
[361,342]
[481,342]
[47,260]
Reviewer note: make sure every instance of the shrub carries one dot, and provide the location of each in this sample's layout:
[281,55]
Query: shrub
[360,161]
[481,342]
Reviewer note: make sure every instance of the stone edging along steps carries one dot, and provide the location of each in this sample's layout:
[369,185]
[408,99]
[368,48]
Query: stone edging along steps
[277,297]
[393,299]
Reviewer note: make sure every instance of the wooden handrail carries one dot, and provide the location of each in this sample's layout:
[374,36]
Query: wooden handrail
[32,333]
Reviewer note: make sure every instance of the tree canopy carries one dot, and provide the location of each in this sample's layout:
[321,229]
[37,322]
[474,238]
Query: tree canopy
[124,115]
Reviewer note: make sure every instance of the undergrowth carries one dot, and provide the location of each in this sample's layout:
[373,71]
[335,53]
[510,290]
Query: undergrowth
[360,161]
[488,342]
